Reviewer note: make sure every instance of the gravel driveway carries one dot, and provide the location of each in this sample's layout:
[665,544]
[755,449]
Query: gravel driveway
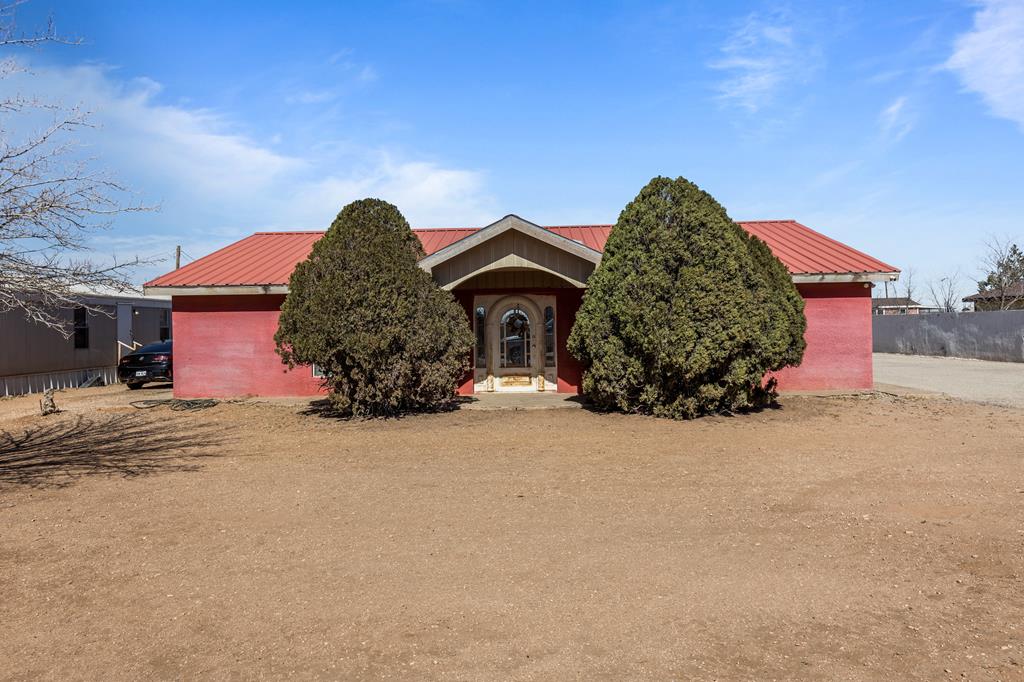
[1001,383]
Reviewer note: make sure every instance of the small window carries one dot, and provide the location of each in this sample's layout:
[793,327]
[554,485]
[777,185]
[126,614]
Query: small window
[318,372]
[81,328]
[481,350]
[549,337]
[165,324]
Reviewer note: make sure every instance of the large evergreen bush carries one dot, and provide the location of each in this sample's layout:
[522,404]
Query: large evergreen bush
[686,313]
[387,337]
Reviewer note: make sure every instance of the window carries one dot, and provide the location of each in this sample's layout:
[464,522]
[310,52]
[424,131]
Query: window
[549,337]
[481,349]
[318,372]
[165,324]
[81,328]
[515,339]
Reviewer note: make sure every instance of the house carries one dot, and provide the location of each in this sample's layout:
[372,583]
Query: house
[520,284]
[34,357]
[1010,298]
[899,306]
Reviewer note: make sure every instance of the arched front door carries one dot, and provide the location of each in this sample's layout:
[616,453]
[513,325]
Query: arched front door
[512,343]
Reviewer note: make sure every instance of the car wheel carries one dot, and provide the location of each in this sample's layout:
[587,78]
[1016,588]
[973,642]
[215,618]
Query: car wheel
[134,386]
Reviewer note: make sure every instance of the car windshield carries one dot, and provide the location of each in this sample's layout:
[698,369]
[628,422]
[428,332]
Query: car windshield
[161,347]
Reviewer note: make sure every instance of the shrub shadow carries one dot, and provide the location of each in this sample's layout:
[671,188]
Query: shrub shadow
[57,453]
[325,409]
[587,405]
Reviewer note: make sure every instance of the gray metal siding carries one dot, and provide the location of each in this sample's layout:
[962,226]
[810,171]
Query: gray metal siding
[30,348]
[34,357]
[982,336]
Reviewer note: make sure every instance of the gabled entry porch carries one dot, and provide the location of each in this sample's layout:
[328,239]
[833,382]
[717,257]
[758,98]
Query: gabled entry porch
[521,286]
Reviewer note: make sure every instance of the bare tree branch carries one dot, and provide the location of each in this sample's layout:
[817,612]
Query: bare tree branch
[51,202]
[909,286]
[945,293]
[10,36]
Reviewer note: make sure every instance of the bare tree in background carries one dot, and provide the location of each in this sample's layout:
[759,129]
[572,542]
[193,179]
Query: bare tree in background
[51,202]
[945,293]
[909,287]
[1003,265]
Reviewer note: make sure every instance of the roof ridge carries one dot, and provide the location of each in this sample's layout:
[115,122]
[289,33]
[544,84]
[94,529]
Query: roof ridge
[546,227]
[444,229]
[290,232]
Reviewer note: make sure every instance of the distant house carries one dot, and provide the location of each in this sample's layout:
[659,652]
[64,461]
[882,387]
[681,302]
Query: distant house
[34,357]
[1010,298]
[899,306]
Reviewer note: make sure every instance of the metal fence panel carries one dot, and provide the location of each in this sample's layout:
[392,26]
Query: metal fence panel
[996,335]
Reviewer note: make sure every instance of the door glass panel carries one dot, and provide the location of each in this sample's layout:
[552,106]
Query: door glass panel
[515,339]
[549,337]
[481,346]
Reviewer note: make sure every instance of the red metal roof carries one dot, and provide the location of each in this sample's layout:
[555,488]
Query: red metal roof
[805,251]
[438,238]
[268,258]
[261,258]
[593,236]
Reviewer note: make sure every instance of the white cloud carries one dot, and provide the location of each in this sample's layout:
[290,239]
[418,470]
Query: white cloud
[367,74]
[343,59]
[214,183]
[763,56]
[438,196]
[835,173]
[896,120]
[135,135]
[989,59]
[311,97]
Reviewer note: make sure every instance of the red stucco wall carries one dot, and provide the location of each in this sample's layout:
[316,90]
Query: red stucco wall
[224,347]
[838,354]
[570,372]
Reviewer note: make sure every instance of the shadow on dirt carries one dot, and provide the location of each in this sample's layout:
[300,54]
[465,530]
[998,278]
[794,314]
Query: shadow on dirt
[324,408]
[587,405]
[57,453]
[158,386]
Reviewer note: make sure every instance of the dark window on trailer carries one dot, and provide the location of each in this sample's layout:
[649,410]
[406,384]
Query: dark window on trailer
[165,324]
[81,328]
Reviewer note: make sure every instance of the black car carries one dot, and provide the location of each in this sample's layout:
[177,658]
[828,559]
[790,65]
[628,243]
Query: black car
[149,363]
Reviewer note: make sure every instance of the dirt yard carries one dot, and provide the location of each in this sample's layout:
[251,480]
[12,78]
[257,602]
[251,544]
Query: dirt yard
[870,537]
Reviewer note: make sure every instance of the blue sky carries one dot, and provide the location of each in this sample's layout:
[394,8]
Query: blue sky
[895,127]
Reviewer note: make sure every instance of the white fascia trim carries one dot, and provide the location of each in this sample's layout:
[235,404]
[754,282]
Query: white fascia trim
[244,290]
[258,289]
[832,277]
[140,301]
[510,222]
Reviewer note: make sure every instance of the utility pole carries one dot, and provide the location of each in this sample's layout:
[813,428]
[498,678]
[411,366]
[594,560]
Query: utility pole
[177,256]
